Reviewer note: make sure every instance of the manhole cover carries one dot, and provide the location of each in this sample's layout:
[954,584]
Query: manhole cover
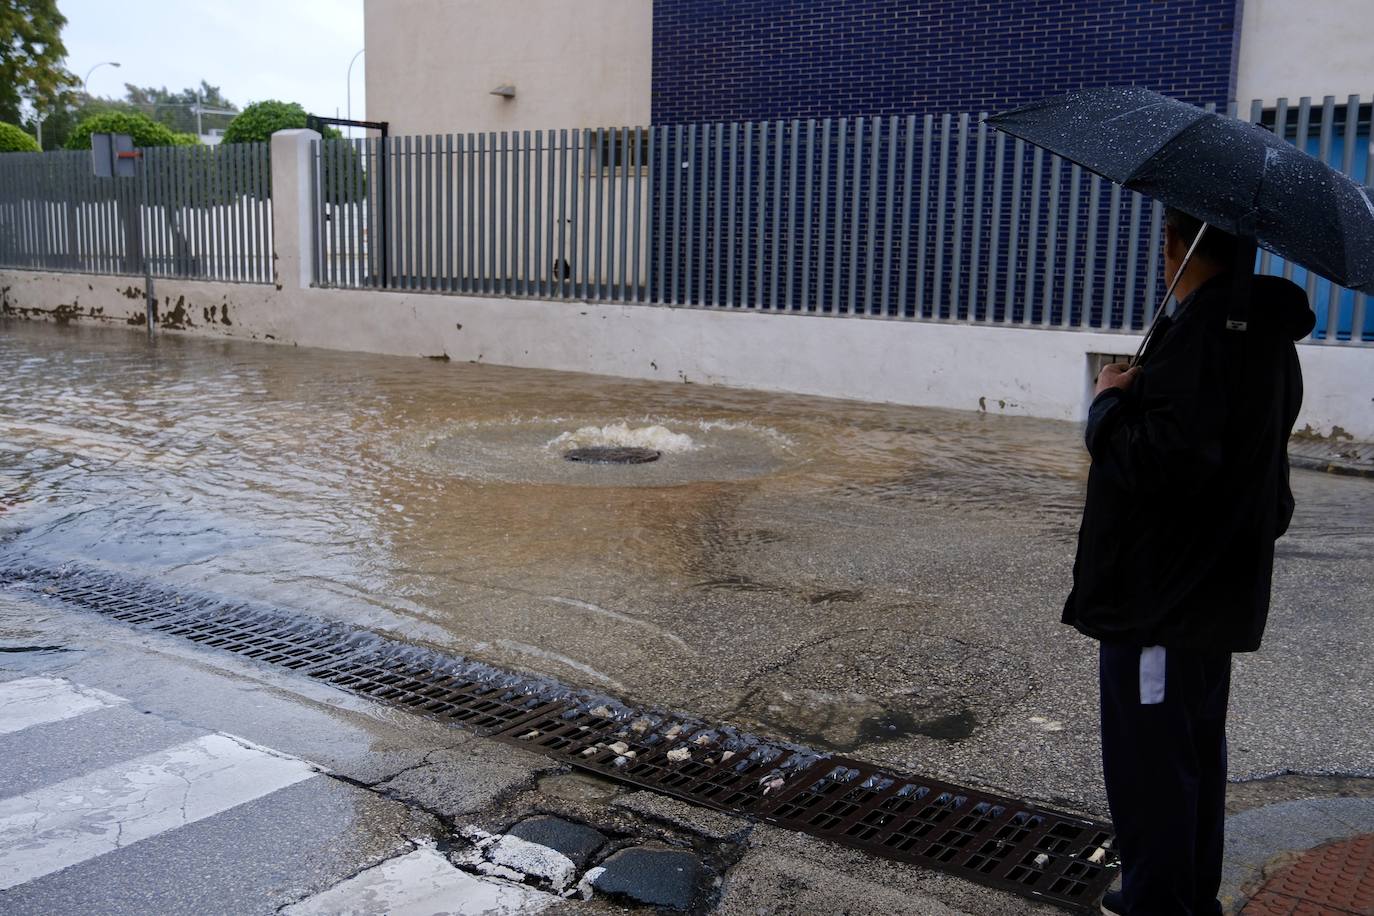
[612,454]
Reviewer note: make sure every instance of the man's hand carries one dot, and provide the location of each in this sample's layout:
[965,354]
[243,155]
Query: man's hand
[1116,375]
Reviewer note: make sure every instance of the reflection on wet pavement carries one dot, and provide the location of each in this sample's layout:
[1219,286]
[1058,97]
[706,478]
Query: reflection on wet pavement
[847,573]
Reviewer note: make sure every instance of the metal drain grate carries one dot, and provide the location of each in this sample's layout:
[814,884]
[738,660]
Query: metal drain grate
[995,841]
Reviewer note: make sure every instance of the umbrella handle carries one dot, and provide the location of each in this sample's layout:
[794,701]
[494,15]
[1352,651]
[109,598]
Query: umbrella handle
[1178,275]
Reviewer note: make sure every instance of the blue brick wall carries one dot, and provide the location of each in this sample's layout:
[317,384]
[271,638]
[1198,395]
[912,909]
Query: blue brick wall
[723,60]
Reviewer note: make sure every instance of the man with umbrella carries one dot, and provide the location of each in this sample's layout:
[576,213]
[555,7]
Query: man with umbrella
[1188,487]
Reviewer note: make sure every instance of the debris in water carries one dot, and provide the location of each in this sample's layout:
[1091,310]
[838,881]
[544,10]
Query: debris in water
[603,712]
[679,754]
[1042,860]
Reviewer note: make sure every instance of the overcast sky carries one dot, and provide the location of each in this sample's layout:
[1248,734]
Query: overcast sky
[293,50]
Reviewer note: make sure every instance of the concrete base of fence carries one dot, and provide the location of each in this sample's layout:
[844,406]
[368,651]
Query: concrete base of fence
[1037,373]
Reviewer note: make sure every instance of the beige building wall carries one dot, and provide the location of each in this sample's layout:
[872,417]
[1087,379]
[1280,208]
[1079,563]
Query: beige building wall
[1292,48]
[432,64]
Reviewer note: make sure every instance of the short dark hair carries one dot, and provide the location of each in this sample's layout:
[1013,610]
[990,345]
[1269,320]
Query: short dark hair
[1216,246]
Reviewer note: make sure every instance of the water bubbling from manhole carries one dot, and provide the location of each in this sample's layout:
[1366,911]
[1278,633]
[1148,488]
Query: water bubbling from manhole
[572,450]
[612,454]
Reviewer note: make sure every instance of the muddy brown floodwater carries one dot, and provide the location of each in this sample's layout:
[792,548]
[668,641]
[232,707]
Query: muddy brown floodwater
[865,578]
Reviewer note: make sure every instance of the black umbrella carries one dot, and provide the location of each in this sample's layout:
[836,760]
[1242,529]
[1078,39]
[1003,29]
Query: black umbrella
[1228,173]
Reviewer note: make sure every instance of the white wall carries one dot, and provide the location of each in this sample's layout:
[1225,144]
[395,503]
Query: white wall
[431,64]
[1026,372]
[1292,48]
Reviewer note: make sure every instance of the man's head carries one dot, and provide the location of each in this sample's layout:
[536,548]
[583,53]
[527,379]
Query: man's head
[1215,253]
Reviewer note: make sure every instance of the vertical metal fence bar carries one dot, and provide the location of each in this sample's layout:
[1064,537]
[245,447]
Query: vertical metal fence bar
[687,157]
[823,216]
[979,167]
[1014,232]
[674,233]
[696,230]
[659,233]
[941,196]
[1109,274]
[889,216]
[485,242]
[1032,239]
[759,301]
[779,132]
[747,154]
[1300,141]
[732,157]
[585,275]
[837,239]
[702,216]
[789,268]
[1281,131]
[626,163]
[463,216]
[960,192]
[908,162]
[431,215]
[1324,154]
[718,186]
[542,216]
[807,192]
[529,216]
[504,213]
[601,181]
[995,225]
[923,217]
[561,271]
[642,149]
[871,239]
[494,163]
[1051,242]
[409,223]
[1152,266]
[1071,244]
[856,220]
[1090,250]
[1132,276]
[452,219]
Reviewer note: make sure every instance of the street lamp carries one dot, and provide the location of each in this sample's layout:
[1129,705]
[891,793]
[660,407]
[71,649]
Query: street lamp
[350,87]
[85,84]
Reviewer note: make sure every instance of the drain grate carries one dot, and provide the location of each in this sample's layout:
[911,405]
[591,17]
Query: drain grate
[995,841]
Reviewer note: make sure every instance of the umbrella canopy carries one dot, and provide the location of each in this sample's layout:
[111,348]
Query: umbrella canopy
[1229,173]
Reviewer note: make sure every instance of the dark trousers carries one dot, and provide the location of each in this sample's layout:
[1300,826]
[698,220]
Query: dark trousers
[1165,768]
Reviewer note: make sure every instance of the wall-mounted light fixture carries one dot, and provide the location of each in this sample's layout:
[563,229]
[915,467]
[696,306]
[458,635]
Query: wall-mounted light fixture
[505,92]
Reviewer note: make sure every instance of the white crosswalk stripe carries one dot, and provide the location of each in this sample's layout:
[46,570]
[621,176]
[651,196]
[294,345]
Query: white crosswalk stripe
[30,701]
[422,883]
[54,827]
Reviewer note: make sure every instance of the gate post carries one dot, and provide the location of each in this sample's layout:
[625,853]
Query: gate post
[293,219]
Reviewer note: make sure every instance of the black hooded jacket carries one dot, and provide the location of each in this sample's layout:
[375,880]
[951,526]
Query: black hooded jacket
[1188,488]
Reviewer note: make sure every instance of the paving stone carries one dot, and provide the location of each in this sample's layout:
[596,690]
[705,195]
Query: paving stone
[713,825]
[576,841]
[659,877]
[1334,878]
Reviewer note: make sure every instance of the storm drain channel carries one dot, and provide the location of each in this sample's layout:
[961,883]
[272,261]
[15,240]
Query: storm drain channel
[992,840]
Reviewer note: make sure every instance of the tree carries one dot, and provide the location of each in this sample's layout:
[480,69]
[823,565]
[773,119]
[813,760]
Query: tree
[144,130]
[14,140]
[31,56]
[259,121]
[177,110]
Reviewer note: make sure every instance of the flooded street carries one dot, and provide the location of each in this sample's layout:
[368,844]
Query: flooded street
[879,580]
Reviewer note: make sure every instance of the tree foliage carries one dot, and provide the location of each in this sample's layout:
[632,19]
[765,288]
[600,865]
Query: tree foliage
[144,130]
[259,121]
[15,140]
[31,56]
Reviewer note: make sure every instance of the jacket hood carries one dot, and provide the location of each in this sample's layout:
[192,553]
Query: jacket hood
[1285,303]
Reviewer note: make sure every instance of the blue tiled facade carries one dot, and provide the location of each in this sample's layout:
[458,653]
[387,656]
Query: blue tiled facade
[725,60]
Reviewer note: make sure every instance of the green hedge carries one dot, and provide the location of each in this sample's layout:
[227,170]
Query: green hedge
[144,130]
[14,140]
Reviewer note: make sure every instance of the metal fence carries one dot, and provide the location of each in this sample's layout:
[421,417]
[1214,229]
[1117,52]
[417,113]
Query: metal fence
[930,218]
[196,212]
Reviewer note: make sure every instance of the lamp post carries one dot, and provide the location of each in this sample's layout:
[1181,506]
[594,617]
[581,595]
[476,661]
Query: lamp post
[85,84]
[350,86]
